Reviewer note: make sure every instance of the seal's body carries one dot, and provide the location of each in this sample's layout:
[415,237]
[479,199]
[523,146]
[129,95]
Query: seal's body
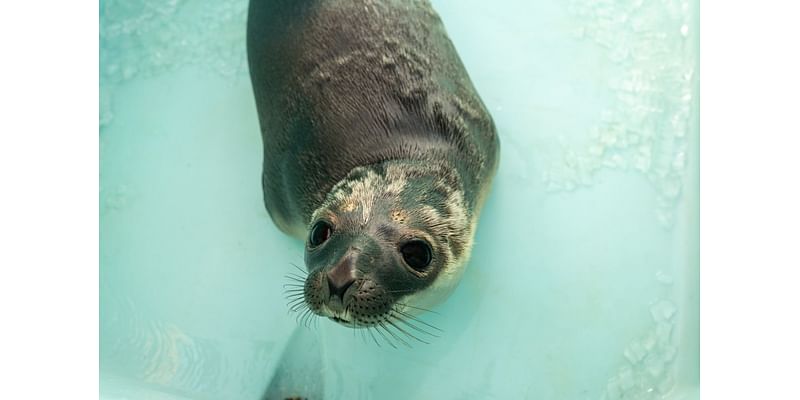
[376,148]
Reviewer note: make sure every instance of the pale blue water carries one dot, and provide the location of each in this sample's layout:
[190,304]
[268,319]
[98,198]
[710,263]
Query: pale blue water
[583,282]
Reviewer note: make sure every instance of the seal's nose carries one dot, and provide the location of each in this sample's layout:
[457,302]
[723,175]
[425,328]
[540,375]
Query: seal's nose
[341,277]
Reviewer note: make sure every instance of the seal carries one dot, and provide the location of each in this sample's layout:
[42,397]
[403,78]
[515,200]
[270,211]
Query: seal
[378,152]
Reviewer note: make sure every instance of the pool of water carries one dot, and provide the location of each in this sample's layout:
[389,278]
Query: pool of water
[583,283]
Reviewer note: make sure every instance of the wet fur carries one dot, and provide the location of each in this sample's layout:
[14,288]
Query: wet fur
[368,115]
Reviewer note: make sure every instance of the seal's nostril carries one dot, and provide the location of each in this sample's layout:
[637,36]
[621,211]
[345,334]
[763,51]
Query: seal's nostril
[341,276]
[338,288]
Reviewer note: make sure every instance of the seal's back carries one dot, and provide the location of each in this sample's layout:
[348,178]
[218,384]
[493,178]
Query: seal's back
[346,83]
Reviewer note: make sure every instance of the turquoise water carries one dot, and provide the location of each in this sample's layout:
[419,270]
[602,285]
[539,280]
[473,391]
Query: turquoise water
[583,282]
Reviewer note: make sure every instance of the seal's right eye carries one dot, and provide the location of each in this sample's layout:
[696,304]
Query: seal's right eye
[417,254]
[320,233]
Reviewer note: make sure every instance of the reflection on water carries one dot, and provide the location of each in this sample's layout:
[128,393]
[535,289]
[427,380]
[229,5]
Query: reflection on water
[159,354]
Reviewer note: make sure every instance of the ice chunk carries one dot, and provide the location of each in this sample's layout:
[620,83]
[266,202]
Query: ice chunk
[665,384]
[669,353]
[663,331]
[665,217]
[635,352]
[654,365]
[613,389]
[650,340]
[626,378]
[671,188]
[663,310]
[663,277]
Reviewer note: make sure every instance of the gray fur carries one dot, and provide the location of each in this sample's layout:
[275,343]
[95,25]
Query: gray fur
[369,118]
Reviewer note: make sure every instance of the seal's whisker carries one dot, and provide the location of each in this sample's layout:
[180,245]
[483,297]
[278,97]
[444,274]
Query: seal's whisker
[400,318]
[404,314]
[403,291]
[296,304]
[302,317]
[388,321]
[293,285]
[347,310]
[297,308]
[363,335]
[418,308]
[293,292]
[384,337]
[299,269]
[409,324]
[295,277]
[301,314]
[397,338]
[293,298]
[369,329]
[308,319]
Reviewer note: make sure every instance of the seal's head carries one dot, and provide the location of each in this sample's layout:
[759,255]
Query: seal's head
[389,239]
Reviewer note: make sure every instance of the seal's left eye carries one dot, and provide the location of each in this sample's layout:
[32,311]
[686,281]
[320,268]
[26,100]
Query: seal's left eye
[320,233]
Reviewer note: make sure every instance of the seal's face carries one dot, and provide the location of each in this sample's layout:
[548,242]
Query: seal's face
[388,240]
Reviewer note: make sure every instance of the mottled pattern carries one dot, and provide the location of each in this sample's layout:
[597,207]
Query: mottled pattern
[428,196]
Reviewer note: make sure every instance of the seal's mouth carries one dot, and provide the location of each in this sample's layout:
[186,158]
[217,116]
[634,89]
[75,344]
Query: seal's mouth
[337,314]
[365,305]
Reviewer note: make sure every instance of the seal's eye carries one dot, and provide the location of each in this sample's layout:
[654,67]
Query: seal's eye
[320,233]
[417,254]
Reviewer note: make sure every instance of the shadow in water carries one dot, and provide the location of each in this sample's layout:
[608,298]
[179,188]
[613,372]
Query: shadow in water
[299,371]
